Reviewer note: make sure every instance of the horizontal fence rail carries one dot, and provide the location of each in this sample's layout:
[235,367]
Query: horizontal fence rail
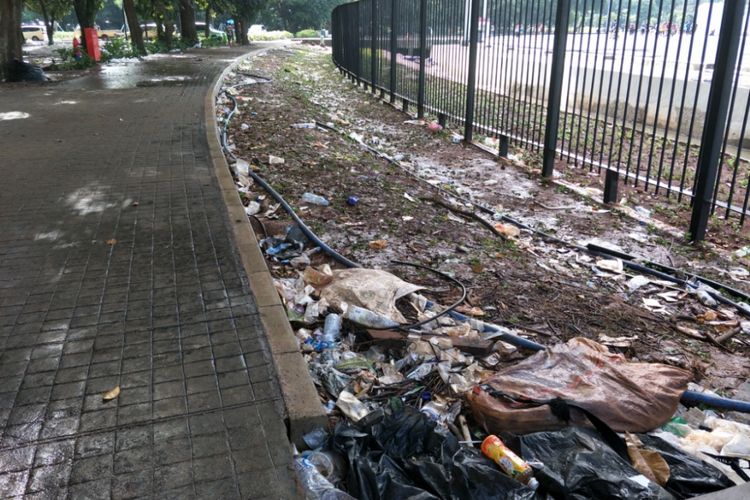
[654,94]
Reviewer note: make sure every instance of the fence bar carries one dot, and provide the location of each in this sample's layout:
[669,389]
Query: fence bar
[358,38]
[471,83]
[555,86]
[422,58]
[374,46]
[393,52]
[716,116]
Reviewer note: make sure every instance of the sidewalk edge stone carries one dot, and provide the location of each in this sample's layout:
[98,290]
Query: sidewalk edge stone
[303,409]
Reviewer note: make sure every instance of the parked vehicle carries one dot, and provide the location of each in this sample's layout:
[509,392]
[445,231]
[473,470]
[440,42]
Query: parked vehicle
[34,32]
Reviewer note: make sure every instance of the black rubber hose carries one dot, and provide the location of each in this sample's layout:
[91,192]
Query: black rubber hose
[688,397]
[445,311]
[325,247]
[651,268]
[670,270]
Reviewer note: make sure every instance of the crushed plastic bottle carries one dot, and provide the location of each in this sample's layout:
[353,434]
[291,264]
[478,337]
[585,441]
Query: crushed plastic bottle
[434,410]
[513,465]
[365,317]
[330,464]
[332,328]
[314,484]
[315,199]
[351,406]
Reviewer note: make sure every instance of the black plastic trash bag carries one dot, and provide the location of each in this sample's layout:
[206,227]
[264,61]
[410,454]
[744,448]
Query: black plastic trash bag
[688,476]
[579,464]
[19,71]
[405,456]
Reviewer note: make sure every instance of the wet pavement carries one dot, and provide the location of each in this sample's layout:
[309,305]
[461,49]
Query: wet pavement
[118,268]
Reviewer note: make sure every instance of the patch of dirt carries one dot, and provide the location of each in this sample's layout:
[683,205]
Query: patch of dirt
[547,291]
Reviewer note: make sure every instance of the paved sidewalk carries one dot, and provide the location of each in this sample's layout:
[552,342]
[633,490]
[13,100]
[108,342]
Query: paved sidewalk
[117,267]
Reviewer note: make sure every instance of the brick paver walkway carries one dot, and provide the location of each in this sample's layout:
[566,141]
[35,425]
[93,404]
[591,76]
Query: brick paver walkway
[117,267]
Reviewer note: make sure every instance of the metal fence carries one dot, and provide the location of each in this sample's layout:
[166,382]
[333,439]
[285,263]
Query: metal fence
[652,93]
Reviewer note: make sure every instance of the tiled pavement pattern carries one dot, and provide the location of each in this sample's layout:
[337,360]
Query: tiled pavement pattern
[117,267]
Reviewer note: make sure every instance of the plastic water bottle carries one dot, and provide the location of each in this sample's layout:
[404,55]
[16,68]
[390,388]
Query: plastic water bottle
[315,199]
[365,317]
[315,485]
[332,328]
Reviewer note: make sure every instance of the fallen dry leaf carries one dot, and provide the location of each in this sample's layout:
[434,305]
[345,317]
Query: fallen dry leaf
[470,311]
[507,230]
[707,316]
[111,394]
[378,244]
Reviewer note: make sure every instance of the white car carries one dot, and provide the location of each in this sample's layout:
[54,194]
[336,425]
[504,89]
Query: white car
[34,32]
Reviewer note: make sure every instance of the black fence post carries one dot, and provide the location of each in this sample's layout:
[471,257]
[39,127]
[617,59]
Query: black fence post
[716,116]
[394,51]
[611,180]
[471,83]
[422,58]
[503,146]
[374,46]
[555,86]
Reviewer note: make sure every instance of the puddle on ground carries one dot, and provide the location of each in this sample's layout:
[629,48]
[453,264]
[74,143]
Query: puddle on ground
[133,73]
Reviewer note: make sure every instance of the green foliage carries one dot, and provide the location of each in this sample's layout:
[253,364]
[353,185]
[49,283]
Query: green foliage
[295,15]
[212,41]
[117,48]
[68,61]
[308,33]
[54,10]
[271,35]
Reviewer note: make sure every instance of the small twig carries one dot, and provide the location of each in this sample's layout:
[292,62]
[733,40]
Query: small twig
[465,213]
[731,333]
[554,331]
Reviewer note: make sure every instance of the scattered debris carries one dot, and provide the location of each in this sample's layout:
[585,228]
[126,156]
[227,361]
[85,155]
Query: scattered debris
[412,387]
[111,394]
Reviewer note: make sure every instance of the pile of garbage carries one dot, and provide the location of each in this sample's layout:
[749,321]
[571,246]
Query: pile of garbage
[445,410]
[426,401]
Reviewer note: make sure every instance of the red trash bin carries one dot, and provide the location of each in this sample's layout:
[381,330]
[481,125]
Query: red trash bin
[92,43]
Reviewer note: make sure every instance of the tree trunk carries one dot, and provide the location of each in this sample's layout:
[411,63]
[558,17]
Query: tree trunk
[241,32]
[207,31]
[86,14]
[49,24]
[10,26]
[136,34]
[188,34]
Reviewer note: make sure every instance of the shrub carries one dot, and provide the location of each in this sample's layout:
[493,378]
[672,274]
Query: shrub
[308,33]
[270,35]
[213,41]
[117,48]
[68,62]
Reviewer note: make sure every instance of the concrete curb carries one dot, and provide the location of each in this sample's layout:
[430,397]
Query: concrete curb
[303,409]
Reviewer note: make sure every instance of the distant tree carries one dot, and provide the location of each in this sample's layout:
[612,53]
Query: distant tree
[188,32]
[52,11]
[134,26]
[244,12]
[297,15]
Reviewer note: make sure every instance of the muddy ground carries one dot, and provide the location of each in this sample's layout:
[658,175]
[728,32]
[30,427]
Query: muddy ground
[547,291]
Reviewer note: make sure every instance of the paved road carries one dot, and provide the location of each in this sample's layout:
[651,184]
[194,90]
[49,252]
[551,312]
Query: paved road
[117,268]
